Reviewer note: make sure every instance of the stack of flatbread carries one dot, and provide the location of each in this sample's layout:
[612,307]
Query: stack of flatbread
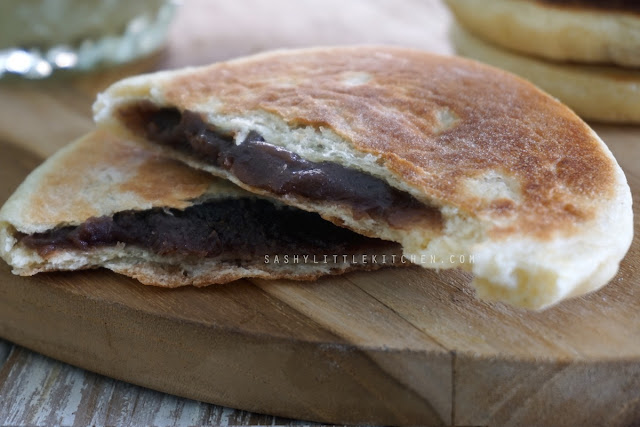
[344,155]
[585,52]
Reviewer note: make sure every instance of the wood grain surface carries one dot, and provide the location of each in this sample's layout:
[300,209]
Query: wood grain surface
[54,393]
[388,347]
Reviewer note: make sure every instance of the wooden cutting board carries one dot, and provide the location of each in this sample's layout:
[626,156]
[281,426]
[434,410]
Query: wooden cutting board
[389,347]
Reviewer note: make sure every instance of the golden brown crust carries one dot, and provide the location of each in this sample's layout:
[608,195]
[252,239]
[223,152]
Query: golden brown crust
[500,123]
[97,174]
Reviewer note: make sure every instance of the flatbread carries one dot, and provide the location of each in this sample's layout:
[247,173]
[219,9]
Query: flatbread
[100,176]
[595,92]
[525,194]
[605,32]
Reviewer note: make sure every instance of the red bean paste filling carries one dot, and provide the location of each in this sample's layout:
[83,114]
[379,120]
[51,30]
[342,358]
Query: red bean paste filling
[232,229]
[613,5]
[259,164]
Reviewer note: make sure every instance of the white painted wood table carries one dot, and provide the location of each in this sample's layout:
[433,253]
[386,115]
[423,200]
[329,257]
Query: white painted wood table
[36,390]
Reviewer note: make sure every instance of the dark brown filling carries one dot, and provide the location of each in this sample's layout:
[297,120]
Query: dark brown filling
[276,170]
[615,5]
[231,229]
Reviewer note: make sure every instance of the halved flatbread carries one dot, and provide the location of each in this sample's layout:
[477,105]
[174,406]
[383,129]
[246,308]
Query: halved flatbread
[463,164]
[106,202]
